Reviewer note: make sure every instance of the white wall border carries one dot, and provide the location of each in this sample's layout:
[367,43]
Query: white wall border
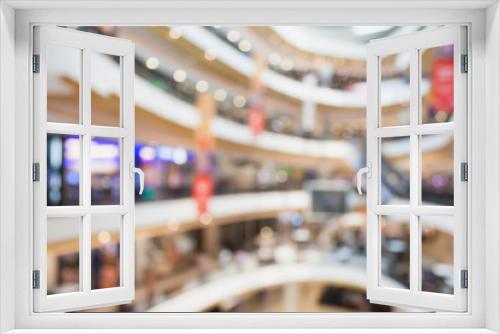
[294,322]
[7,176]
[492,167]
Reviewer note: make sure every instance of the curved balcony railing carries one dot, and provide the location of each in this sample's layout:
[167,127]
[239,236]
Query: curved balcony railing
[356,98]
[162,104]
[225,286]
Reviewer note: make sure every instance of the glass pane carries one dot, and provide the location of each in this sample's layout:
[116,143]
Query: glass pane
[437,169]
[63,84]
[63,170]
[437,84]
[395,170]
[105,169]
[395,251]
[106,87]
[437,254]
[395,90]
[63,255]
[106,251]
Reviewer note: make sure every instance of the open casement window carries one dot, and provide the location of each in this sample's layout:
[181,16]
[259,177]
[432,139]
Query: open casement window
[409,139]
[72,130]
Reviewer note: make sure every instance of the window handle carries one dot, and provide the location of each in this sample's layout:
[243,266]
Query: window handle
[359,176]
[139,172]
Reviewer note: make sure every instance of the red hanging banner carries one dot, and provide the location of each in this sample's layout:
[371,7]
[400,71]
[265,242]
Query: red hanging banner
[442,85]
[203,182]
[256,113]
[203,188]
[256,121]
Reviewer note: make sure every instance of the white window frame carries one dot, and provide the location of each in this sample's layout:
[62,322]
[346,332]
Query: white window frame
[87,44]
[17,19]
[414,44]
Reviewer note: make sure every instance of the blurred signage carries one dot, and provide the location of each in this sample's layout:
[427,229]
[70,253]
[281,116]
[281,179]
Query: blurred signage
[256,113]
[203,182]
[442,84]
[203,189]
[256,121]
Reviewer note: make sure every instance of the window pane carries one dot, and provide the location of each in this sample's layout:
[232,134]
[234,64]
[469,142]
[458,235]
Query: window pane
[63,255]
[106,251]
[437,169]
[395,170]
[106,87]
[105,169]
[395,251]
[63,170]
[63,84]
[437,84]
[395,90]
[437,254]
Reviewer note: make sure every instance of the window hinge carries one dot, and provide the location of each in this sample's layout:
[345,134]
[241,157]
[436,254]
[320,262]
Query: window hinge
[464,279]
[36,172]
[465,64]
[464,171]
[36,63]
[36,279]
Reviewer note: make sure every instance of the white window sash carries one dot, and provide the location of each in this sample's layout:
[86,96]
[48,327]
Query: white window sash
[414,297]
[85,297]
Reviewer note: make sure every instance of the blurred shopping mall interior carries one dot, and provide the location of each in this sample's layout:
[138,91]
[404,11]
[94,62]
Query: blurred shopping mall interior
[250,138]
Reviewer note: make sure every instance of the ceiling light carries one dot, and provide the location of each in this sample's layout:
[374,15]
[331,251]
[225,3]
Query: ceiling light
[179,75]
[180,156]
[174,33]
[210,55]
[220,95]
[104,237]
[147,153]
[206,219]
[239,101]
[202,86]
[274,59]
[152,63]
[245,45]
[287,65]
[233,36]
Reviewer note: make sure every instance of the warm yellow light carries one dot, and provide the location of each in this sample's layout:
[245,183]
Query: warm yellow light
[245,45]
[220,95]
[179,76]
[174,33]
[202,86]
[152,63]
[274,59]
[210,55]
[239,101]
[104,237]
[233,36]
[206,219]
